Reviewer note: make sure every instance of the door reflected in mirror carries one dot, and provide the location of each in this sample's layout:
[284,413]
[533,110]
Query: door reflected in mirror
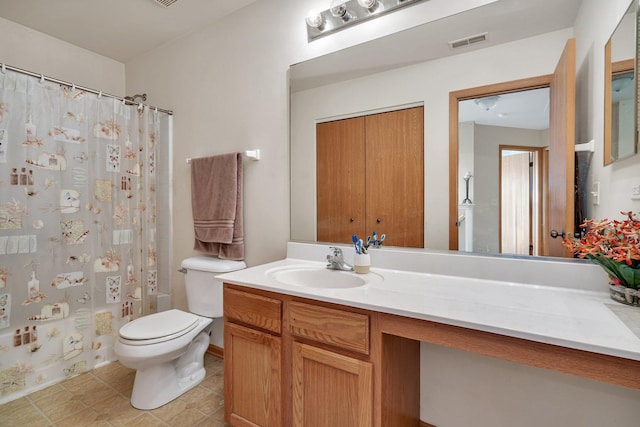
[503,142]
[620,139]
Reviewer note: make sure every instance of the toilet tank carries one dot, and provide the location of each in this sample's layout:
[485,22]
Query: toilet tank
[204,292]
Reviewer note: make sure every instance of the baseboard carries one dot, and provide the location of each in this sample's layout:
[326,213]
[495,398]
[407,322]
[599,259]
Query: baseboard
[216,351]
[423,424]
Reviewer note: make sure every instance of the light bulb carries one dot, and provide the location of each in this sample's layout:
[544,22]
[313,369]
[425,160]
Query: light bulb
[368,4]
[339,10]
[314,19]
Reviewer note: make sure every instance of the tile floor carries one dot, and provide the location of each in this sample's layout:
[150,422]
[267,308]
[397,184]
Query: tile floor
[101,398]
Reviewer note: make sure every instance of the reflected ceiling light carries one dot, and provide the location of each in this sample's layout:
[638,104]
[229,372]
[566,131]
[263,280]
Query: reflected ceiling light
[488,102]
[619,83]
[342,13]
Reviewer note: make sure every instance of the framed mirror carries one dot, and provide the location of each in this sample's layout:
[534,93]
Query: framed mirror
[620,124]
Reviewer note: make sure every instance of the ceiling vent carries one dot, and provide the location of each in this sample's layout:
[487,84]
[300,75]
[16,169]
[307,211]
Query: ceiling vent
[467,41]
[165,3]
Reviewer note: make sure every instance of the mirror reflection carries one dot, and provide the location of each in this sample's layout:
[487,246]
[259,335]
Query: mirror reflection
[620,107]
[373,78]
[502,145]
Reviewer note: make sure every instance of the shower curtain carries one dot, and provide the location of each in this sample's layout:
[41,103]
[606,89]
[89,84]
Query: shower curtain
[77,227]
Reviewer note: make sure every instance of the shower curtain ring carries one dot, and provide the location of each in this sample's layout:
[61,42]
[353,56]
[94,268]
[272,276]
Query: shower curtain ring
[41,78]
[4,68]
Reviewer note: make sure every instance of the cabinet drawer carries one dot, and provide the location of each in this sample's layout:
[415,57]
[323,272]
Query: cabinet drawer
[330,326]
[253,310]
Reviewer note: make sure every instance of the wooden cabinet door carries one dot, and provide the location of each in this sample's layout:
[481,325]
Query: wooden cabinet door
[395,176]
[340,180]
[252,377]
[330,390]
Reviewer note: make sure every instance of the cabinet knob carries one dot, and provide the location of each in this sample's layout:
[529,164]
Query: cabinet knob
[378,220]
[351,219]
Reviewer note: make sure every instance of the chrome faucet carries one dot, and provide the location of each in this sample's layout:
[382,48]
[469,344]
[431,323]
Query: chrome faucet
[336,261]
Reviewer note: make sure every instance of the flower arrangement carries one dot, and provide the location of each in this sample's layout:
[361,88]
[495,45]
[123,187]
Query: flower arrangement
[615,246]
[372,240]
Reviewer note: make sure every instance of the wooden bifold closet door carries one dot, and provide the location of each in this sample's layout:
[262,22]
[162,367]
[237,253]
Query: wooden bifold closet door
[370,176]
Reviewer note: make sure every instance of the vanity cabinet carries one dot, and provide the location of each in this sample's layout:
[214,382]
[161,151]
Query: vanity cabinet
[370,176]
[299,362]
[330,388]
[253,359]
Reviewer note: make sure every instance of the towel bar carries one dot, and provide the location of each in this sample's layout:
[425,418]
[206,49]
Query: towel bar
[251,154]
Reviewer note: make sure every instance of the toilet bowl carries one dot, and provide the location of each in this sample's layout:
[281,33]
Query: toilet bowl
[167,348]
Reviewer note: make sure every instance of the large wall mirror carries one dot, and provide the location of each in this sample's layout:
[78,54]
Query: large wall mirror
[418,67]
[620,131]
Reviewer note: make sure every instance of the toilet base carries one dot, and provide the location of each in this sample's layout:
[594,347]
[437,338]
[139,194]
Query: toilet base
[161,383]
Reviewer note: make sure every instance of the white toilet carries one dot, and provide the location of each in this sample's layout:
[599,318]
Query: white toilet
[167,348]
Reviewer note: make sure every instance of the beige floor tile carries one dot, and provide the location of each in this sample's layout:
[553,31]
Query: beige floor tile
[214,381]
[20,414]
[101,398]
[108,404]
[14,405]
[112,372]
[79,379]
[124,382]
[171,409]
[60,405]
[37,395]
[187,418]
[91,392]
[123,414]
[86,417]
[145,420]
[212,422]
[202,399]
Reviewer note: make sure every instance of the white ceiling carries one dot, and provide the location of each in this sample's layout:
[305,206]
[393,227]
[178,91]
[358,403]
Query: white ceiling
[525,110]
[118,29]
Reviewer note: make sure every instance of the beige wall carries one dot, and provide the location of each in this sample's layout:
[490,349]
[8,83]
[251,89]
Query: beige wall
[31,50]
[228,87]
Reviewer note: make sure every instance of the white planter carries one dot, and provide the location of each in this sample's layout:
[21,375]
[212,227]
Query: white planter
[362,263]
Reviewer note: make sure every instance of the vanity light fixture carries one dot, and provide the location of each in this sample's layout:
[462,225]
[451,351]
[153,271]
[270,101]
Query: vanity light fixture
[343,13]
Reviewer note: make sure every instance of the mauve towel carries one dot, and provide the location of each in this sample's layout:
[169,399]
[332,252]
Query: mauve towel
[216,201]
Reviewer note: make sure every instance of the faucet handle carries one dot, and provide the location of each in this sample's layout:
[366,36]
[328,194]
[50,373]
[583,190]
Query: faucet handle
[336,251]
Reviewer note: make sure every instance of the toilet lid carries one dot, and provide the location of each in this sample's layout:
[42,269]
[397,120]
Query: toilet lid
[166,323]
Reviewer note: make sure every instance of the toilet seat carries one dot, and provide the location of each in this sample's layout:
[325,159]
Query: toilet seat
[158,327]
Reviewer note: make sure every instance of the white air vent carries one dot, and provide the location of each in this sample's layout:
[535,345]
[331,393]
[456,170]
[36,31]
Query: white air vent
[165,3]
[468,41]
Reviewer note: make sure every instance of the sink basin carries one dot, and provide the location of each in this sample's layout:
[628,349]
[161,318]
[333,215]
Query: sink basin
[319,277]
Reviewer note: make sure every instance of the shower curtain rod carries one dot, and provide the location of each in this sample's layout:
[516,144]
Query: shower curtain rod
[72,85]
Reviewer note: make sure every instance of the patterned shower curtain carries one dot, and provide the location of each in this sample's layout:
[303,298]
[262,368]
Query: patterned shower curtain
[77,227]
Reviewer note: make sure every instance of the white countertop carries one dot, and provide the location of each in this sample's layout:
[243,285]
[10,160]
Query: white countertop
[567,317]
